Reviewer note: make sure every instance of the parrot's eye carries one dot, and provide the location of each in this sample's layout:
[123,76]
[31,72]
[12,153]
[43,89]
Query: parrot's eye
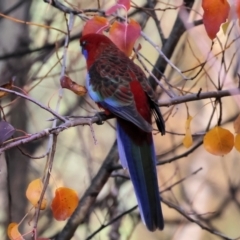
[84,43]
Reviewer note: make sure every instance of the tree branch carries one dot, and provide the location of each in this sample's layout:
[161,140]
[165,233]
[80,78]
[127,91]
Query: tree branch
[55,130]
[198,96]
[35,102]
[89,198]
[187,216]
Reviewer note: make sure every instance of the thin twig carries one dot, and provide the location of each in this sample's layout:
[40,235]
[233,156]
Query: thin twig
[135,207]
[55,130]
[186,215]
[198,96]
[89,198]
[35,102]
[45,182]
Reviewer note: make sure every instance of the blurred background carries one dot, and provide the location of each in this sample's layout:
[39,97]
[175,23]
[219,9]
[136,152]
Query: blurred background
[30,54]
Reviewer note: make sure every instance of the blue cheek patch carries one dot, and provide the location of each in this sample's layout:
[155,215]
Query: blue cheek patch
[85,53]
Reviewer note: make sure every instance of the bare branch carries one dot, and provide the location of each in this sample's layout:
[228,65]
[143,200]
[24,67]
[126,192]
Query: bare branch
[55,130]
[89,198]
[187,216]
[35,102]
[198,96]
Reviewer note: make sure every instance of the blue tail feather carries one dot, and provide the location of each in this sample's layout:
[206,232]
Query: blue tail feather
[140,160]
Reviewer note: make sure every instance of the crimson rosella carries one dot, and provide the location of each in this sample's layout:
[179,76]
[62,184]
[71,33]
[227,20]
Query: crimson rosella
[120,87]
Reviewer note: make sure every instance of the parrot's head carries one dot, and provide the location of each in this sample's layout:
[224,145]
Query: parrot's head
[92,45]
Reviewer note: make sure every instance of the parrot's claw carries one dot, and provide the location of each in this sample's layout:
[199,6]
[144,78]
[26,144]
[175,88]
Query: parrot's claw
[101,116]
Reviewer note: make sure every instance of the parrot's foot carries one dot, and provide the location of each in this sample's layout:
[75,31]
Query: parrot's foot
[102,117]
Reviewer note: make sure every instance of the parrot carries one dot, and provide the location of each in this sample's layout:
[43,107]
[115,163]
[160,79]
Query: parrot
[121,88]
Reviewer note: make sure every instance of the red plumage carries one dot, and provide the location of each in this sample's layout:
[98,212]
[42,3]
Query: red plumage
[119,86]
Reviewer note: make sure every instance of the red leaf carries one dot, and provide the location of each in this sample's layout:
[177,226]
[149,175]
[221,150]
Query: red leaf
[215,13]
[124,35]
[67,83]
[64,203]
[95,25]
[125,4]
